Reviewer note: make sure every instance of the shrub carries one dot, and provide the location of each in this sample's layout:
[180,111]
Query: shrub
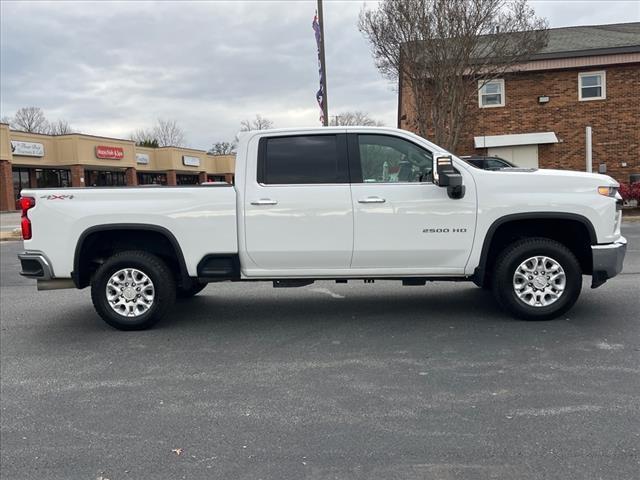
[630,191]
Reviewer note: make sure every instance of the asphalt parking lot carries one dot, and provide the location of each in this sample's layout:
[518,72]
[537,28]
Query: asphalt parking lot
[328,381]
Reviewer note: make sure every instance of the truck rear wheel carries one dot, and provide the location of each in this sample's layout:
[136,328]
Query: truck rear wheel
[537,279]
[133,290]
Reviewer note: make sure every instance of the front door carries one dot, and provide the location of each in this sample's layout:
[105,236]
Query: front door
[298,214]
[402,220]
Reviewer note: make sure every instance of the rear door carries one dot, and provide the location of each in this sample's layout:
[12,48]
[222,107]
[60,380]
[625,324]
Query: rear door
[402,220]
[298,212]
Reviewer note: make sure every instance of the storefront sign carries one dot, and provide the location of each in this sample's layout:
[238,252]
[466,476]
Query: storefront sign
[109,153]
[142,158]
[190,161]
[28,149]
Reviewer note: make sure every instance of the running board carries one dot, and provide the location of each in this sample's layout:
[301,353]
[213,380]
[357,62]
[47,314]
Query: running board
[55,284]
[291,283]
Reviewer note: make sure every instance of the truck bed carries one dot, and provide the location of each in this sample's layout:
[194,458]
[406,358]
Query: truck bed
[201,218]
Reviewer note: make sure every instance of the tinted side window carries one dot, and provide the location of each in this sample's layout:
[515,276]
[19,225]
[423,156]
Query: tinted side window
[301,159]
[387,159]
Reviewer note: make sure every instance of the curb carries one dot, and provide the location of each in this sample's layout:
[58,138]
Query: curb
[15,234]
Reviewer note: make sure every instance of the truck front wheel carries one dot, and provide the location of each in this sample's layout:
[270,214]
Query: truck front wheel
[537,279]
[133,290]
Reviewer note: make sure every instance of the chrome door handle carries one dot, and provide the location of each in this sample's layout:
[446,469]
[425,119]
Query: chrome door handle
[264,201]
[372,200]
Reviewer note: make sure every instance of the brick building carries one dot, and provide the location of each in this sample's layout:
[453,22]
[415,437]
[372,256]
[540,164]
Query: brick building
[537,114]
[31,160]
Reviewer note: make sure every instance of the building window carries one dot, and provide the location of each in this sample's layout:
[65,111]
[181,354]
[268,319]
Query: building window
[491,93]
[152,178]
[216,178]
[187,179]
[104,178]
[21,180]
[592,86]
[53,178]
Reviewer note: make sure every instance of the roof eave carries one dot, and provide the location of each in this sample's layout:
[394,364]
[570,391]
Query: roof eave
[586,53]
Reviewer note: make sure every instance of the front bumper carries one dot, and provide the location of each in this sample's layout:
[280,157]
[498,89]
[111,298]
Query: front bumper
[607,261]
[35,265]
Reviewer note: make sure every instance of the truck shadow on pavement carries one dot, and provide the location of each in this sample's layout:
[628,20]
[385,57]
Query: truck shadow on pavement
[460,305]
[257,308]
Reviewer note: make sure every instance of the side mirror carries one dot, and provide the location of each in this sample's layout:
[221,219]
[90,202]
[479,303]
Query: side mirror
[445,175]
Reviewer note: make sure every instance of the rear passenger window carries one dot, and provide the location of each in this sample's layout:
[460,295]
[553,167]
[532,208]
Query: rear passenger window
[302,159]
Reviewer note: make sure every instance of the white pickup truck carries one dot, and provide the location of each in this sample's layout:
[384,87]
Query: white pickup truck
[330,204]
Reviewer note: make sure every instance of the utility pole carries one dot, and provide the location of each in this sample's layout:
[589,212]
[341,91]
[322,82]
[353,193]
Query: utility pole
[323,67]
[588,151]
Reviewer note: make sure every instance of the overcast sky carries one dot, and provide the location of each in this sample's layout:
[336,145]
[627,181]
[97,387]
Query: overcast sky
[112,67]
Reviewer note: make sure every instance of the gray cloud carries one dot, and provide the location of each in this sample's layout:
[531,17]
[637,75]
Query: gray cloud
[112,67]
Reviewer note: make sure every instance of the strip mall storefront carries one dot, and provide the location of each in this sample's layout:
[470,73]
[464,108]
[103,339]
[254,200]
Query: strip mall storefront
[29,160]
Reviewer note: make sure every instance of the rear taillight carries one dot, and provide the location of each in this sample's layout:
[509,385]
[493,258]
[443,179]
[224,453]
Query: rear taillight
[26,203]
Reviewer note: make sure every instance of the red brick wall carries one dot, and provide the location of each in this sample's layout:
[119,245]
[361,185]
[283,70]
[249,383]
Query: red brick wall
[33,178]
[7,198]
[131,177]
[172,178]
[77,174]
[615,120]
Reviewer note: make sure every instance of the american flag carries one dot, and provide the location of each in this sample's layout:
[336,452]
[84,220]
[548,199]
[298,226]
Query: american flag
[320,92]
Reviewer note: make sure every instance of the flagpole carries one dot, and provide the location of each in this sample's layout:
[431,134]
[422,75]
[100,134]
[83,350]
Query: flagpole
[325,103]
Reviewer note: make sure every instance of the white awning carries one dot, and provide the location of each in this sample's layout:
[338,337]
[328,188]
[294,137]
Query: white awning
[516,139]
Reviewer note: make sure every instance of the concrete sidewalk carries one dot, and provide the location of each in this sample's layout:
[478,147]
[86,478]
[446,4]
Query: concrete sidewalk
[10,226]
[9,220]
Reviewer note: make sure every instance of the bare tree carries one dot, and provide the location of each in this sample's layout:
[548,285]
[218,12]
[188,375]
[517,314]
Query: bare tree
[30,119]
[144,138]
[60,127]
[442,51]
[354,118]
[223,148]
[259,123]
[168,133]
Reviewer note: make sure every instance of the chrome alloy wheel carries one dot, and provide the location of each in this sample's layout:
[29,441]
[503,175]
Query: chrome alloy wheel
[130,292]
[539,281]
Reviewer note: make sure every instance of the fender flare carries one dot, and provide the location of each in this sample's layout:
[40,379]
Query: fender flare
[75,275]
[480,271]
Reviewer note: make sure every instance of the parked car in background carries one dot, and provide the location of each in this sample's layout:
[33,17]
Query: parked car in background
[488,163]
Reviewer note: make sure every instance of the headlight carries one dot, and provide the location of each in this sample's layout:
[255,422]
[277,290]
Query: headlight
[608,191]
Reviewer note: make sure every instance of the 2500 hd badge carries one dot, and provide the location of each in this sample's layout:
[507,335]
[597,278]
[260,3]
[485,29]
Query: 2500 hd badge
[444,230]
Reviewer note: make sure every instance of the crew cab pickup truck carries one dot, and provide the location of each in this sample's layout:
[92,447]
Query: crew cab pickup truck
[343,203]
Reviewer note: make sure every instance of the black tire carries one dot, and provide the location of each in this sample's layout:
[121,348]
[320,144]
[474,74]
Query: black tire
[196,287]
[510,259]
[155,269]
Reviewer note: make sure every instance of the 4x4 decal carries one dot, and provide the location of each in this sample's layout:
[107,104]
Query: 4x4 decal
[57,197]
